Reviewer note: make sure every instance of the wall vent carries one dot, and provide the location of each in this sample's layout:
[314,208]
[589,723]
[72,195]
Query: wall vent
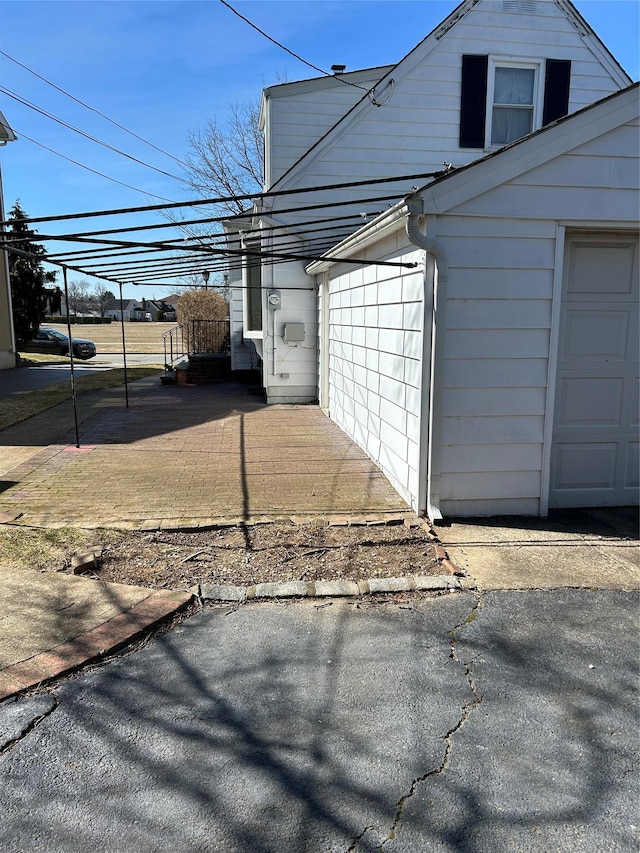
[520,7]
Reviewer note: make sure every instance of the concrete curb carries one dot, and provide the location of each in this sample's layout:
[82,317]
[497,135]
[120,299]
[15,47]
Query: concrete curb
[92,645]
[328,589]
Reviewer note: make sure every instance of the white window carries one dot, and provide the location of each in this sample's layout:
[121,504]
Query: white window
[513,107]
[252,281]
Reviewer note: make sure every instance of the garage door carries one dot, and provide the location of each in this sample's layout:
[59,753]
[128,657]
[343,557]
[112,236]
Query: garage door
[594,458]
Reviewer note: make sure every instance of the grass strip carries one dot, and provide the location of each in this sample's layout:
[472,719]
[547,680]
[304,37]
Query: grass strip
[19,407]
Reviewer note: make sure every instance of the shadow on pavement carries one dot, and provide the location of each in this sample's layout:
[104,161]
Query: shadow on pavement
[280,729]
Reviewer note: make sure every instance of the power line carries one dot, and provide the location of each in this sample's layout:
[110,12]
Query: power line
[88,168]
[88,136]
[290,52]
[93,109]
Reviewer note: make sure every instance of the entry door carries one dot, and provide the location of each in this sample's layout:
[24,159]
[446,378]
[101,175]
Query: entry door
[594,457]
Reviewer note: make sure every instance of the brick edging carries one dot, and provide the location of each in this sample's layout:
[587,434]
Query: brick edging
[109,636]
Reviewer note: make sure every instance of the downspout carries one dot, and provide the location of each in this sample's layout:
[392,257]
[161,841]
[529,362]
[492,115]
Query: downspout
[435,288]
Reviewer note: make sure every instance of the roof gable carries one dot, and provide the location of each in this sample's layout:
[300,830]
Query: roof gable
[423,89]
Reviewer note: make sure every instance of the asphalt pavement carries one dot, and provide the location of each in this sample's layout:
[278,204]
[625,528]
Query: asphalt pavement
[30,376]
[498,721]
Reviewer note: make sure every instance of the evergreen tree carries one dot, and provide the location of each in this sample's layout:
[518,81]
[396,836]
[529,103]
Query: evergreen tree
[28,277]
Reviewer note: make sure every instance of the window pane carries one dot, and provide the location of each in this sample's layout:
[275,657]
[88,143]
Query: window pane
[514,86]
[510,124]
[254,295]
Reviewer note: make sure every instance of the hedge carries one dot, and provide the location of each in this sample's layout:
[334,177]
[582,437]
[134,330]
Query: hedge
[81,321]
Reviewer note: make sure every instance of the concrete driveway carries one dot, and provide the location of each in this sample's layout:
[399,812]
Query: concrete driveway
[592,548]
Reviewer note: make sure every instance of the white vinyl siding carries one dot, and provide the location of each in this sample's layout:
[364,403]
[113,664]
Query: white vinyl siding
[496,350]
[420,122]
[241,350]
[375,353]
[322,131]
[297,115]
[498,317]
[290,369]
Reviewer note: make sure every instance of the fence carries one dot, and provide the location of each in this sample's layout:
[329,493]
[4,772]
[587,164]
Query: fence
[196,337]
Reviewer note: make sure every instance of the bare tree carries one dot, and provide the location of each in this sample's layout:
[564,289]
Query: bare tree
[79,299]
[228,161]
[101,297]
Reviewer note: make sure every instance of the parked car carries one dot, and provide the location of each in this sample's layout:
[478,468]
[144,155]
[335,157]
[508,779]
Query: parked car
[55,342]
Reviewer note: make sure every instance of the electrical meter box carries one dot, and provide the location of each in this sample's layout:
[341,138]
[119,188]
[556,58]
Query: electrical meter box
[293,333]
[274,300]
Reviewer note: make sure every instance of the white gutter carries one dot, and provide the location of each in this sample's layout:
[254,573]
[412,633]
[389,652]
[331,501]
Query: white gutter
[362,238]
[435,281]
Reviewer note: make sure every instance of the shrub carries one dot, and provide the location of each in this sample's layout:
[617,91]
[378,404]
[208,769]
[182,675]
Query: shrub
[205,315]
[202,305]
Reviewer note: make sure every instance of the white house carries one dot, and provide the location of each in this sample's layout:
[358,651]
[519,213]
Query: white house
[496,372]
[442,359]
[124,309]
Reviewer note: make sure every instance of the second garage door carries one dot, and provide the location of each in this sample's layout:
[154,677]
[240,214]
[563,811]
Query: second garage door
[595,459]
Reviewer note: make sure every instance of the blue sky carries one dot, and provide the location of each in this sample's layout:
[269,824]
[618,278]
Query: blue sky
[161,69]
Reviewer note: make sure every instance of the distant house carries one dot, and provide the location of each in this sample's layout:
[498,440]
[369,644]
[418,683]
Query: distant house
[122,309]
[477,338]
[141,310]
[165,310]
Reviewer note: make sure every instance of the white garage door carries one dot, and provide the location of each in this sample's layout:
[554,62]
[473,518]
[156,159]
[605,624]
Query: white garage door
[594,457]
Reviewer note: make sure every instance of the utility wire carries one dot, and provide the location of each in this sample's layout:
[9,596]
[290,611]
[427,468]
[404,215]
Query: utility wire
[93,109]
[88,136]
[290,52]
[88,168]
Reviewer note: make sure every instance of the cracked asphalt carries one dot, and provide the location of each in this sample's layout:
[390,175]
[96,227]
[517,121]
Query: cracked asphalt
[464,722]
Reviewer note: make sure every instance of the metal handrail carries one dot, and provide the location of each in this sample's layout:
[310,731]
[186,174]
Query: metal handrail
[195,337]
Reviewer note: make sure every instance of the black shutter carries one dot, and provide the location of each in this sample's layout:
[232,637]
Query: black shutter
[473,100]
[556,89]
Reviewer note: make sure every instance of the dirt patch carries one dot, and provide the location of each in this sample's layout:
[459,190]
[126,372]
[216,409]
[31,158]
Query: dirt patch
[243,556]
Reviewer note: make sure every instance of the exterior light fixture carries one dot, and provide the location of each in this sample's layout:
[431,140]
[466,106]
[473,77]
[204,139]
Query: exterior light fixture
[205,276]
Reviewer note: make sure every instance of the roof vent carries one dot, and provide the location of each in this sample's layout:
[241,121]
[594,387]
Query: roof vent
[338,69]
[520,7]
